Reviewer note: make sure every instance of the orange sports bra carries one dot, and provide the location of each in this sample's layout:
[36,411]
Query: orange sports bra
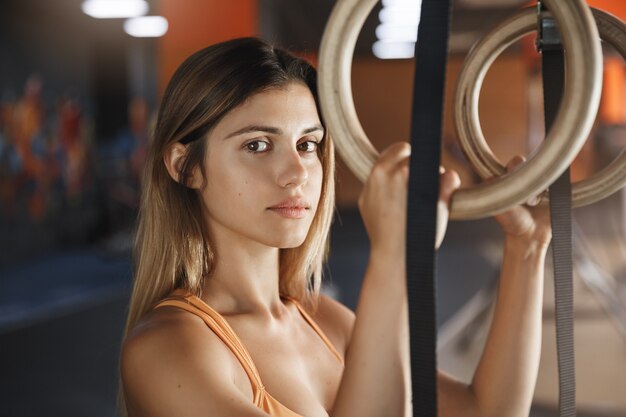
[222,329]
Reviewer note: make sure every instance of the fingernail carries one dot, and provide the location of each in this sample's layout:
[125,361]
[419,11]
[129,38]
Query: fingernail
[534,201]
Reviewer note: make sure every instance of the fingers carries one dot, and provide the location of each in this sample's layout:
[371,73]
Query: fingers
[383,199]
[392,165]
[449,182]
[515,162]
[395,158]
[391,168]
[396,150]
[395,154]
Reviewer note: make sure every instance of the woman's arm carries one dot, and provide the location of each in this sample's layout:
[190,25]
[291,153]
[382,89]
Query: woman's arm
[376,380]
[376,374]
[376,377]
[504,380]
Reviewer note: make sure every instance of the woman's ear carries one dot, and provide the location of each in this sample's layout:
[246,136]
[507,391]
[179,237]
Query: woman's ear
[174,160]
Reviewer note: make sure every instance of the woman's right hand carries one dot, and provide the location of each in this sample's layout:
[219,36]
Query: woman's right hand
[383,201]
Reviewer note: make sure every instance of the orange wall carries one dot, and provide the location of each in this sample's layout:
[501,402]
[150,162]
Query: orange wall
[382,91]
[612,108]
[615,7]
[194,24]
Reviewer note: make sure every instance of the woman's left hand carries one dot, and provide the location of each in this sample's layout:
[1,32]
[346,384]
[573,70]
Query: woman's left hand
[526,223]
[449,182]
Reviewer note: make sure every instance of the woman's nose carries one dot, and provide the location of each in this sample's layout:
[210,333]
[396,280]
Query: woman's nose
[292,170]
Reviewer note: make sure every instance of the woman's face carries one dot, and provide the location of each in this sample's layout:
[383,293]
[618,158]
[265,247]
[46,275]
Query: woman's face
[260,157]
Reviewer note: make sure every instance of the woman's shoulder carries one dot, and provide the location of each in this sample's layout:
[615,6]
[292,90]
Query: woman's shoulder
[170,345]
[336,320]
[159,324]
[169,331]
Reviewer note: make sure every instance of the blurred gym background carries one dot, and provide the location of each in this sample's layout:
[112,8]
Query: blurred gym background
[78,97]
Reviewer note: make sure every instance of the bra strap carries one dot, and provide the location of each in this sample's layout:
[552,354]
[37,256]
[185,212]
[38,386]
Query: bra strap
[223,330]
[317,329]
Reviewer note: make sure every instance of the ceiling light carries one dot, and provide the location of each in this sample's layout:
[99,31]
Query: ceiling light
[393,50]
[402,33]
[146,26]
[397,15]
[397,32]
[403,3]
[106,9]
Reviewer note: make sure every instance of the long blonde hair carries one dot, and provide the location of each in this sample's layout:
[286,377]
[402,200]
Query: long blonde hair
[172,247]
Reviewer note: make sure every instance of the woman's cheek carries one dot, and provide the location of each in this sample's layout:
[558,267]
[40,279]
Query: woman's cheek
[317,184]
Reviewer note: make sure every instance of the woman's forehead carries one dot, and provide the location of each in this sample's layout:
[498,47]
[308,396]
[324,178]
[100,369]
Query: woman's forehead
[289,108]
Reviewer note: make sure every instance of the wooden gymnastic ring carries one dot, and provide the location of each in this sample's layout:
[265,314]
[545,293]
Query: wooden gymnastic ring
[572,125]
[598,186]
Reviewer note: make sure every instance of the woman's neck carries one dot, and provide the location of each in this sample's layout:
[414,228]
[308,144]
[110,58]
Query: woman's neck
[245,281]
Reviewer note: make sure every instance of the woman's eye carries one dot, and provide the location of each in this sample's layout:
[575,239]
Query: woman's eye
[257,146]
[308,146]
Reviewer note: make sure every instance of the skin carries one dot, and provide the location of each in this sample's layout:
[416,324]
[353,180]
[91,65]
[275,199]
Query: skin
[172,364]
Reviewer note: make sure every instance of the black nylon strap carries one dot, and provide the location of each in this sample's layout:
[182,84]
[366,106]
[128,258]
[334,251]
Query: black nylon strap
[428,94]
[561,218]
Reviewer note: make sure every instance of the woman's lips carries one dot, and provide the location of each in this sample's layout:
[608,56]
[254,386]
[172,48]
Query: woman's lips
[290,212]
[292,208]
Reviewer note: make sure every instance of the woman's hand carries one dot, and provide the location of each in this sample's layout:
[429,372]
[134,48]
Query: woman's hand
[449,182]
[383,201]
[525,223]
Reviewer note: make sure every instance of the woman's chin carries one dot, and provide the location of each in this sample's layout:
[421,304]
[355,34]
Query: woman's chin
[288,242]
[286,238]
[292,244]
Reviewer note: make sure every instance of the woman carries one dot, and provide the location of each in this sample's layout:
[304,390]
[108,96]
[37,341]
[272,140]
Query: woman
[226,317]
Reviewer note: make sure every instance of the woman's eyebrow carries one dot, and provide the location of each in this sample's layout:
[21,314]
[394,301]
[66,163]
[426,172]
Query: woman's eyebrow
[269,129]
[313,129]
[255,128]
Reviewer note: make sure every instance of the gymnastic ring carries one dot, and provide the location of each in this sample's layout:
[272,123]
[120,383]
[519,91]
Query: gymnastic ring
[572,125]
[598,186]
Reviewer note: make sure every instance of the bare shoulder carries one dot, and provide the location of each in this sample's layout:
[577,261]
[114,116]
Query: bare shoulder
[336,320]
[166,331]
[157,353]
[172,364]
